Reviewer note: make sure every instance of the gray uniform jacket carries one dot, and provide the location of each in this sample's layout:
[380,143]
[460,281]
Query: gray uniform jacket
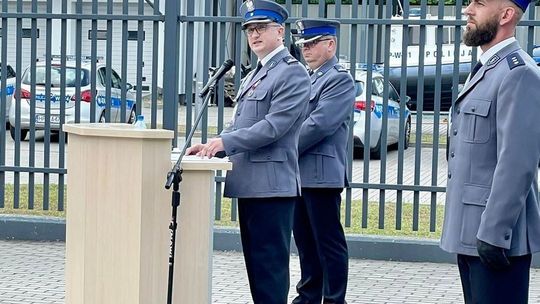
[492,191]
[324,134]
[262,141]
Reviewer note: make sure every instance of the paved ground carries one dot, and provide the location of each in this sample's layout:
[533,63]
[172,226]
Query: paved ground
[33,272]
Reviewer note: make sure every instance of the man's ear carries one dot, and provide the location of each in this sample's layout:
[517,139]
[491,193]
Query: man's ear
[507,15]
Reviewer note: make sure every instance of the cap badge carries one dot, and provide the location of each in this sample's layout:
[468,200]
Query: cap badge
[250,6]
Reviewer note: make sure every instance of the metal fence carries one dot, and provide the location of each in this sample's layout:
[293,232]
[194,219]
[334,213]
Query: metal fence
[165,48]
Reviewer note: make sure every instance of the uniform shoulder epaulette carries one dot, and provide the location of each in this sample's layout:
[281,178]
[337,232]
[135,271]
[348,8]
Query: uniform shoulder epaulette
[339,68]
[514,60]
[289,59]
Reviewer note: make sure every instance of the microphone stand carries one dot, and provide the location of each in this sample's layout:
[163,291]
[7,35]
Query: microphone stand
[174,177]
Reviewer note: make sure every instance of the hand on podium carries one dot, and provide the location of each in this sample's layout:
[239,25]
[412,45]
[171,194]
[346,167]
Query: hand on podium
[210,149]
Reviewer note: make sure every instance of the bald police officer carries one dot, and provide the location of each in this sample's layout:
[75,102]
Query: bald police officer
[262,145]
[322,147]
[492,217]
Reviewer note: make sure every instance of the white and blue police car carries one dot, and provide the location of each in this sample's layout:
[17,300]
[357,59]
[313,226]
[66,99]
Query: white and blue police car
[10,88]
[70,98]
[362,106]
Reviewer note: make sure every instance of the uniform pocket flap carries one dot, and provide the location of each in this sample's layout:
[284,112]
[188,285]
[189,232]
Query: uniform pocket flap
[324,150]
[257,95]
[475,194]
[478,107]
[277,155]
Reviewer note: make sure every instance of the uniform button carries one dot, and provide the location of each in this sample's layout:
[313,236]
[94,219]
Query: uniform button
[507,237]
[452,154]
[268,157]
[473,109]
[449,175]
[458,110]
[455,132]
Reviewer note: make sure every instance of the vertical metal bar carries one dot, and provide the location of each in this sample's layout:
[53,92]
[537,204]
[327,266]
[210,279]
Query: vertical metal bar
[436,120]
[3,103]
[124,63]
[170,70]
[78,46]
[221,98]
[419,114]
[234,209]
[384,132]
[108,66]
[93,64]
[457,43]
[140,64]
[530,29]
[288,6]
[322,9]
[206,64]
[62,135]
[305,8]
[367,126]
[402,108]
[353,49]
[48,81]
[16,103]
[155,58]
[32,131]
[189,70]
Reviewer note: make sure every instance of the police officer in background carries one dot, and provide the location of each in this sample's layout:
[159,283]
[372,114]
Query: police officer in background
[492,217]
[262,144]
[322,147]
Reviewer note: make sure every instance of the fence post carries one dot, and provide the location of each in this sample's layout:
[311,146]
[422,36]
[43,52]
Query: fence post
[170,70]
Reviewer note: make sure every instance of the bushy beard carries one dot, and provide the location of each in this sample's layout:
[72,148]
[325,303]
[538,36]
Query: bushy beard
[483,34]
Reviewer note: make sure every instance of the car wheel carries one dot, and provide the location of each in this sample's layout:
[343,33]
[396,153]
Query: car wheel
[22,133]
[407,134]
[375,153]
[132,116]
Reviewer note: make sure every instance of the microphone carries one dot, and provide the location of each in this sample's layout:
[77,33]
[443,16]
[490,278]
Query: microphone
[224,68]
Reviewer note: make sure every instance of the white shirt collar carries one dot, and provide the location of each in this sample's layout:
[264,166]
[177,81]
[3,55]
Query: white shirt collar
[272,54]
[495,49]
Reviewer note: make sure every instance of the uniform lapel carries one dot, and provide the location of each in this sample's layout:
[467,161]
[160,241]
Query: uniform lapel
[264,71]
[491,63]
[323,69]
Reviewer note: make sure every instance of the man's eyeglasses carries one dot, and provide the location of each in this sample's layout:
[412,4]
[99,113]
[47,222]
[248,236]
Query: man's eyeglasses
[310,44]
[259,28]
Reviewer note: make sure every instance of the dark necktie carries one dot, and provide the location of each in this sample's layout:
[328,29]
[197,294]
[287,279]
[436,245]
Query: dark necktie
[310,72]
[476,68]
[258,68]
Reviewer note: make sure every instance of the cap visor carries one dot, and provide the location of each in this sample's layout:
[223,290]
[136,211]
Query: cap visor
[301,41]
[252,21]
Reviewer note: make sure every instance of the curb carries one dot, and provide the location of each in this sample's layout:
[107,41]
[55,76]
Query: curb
[40,228]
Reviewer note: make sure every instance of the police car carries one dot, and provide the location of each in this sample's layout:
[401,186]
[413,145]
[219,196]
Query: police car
[375,110]
[10,88]
[70,99]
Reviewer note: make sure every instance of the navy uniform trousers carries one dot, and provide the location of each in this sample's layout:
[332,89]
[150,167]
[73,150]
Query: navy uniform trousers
[321,246]
[267,258]
[482,285]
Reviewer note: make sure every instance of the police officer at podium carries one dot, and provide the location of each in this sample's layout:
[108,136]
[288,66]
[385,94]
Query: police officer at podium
[262,142]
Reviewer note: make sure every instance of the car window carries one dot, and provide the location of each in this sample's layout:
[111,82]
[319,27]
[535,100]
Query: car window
[55,76]
[115,80]
[10,72]
[393,94]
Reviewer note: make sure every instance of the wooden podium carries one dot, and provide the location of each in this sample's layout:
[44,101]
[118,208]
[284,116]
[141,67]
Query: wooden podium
[117,235]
